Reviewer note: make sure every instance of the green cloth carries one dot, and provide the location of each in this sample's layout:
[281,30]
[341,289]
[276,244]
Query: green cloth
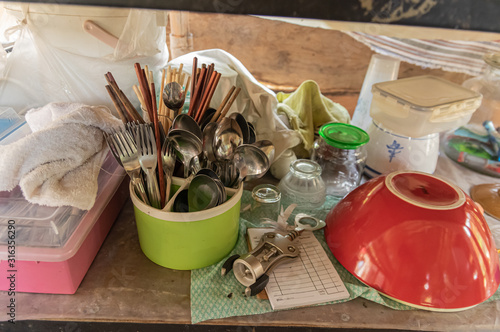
[307,110]
[214,296]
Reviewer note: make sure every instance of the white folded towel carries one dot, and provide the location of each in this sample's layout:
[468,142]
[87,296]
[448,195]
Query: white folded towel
[58,164]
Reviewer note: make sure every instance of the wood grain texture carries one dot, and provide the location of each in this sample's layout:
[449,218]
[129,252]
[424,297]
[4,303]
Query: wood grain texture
[283,55]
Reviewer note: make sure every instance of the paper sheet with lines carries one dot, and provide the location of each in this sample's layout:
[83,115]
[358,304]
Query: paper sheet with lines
[309,279]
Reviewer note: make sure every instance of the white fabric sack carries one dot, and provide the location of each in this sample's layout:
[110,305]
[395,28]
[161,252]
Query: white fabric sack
[256,102]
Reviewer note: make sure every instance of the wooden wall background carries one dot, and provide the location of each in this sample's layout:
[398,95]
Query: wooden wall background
[283,55]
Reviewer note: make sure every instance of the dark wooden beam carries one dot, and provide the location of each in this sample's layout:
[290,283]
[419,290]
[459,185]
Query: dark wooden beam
[480,15]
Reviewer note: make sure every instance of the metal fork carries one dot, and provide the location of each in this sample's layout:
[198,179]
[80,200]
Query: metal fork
[146,147]
[123,147]
[168,162]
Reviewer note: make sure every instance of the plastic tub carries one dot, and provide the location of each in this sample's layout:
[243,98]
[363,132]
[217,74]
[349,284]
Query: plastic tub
[190,240]
[422,105]
[53,248]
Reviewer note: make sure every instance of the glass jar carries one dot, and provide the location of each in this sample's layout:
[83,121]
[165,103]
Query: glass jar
[266,202]
[303,185]
[488,84]
[340,151]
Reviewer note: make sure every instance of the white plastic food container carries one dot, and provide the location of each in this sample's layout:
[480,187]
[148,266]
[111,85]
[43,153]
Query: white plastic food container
[422,105]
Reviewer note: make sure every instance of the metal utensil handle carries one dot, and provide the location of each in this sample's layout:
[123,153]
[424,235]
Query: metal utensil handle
[139,189]
[153,189]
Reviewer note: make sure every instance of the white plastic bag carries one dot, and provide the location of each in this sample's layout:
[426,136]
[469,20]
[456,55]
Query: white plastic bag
[56,60]
[3,59]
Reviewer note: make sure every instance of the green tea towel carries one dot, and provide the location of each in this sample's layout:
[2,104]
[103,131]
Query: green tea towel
[307,110]
[214,296]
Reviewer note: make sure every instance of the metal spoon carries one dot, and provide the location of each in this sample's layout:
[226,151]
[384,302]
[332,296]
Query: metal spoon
[203,193]
[188,146]
[268,148]
[184,121]
[207,116]
[252,134]
[197,163]
[208,141]
[181,202]
[174,96]
[251,162]
[228,137]
[213,175]
[242,122]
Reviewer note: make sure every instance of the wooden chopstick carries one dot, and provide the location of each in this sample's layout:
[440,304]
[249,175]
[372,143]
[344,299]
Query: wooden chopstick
[139,96]
[169,75]
[117,103]
[141,77]
[221,106]
[212,91]
[228,105]
[129,107]
[196,95]
[187,84]
[208,95]
[206,80]
[179,73]
[162,86]
[130,111]
[193,83]
[204,94]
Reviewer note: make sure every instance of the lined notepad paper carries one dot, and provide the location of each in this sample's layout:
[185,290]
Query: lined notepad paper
[309,279]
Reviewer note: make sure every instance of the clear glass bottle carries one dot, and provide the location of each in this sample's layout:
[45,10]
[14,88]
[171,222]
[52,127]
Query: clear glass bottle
[340,151]
[488,84]
[303,185]
[266,202]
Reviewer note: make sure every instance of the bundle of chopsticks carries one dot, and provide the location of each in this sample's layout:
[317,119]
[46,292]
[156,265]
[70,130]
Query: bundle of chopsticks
[203,84]
[126,111]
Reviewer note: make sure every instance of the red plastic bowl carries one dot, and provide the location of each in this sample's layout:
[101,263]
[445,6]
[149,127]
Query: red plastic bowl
[415,238]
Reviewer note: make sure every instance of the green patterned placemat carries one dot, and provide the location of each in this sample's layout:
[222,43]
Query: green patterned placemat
[214,296]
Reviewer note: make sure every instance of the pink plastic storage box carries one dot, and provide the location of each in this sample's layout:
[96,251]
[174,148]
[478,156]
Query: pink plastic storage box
[56,246]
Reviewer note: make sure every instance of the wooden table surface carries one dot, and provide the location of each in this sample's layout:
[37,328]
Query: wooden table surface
[122,285]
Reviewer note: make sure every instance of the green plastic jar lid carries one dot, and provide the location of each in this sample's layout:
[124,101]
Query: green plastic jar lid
[343,136]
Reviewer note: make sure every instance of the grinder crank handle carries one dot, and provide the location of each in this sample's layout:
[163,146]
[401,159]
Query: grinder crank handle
[258,286]
[228,264]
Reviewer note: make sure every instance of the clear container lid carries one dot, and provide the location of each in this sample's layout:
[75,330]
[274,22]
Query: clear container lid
[343,136]
[427,93]
[10,121]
